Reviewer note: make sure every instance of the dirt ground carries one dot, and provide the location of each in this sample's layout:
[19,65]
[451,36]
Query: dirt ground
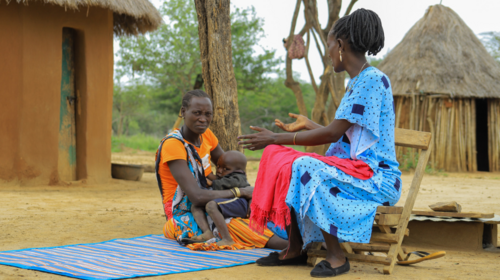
[44,216]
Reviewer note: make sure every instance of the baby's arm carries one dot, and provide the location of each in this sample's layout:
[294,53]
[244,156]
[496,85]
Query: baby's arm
[226,183]
[210,178]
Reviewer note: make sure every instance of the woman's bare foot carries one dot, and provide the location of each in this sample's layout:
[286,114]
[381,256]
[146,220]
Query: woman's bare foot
[204,236]
[225,242]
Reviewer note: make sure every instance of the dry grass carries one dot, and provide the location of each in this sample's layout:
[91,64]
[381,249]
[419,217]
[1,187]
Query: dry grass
[131,17]
[441,55]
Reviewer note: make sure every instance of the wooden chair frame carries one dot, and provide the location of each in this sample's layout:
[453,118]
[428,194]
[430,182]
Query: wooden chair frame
[388,217]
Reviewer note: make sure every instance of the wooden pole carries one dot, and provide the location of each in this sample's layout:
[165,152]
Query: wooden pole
[473,113]
[431,129]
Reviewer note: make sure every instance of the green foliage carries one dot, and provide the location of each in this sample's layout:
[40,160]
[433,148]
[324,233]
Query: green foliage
[261,108]
[258,154]
[374,61]
[169,58]
[138,141]
[491,40]
[134,110]
[409,163]
[154,70]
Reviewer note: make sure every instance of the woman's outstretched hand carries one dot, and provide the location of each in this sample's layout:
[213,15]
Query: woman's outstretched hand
[257,141]
[300,123]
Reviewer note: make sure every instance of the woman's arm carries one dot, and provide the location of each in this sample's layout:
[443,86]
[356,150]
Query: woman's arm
[199,197]
[319,136]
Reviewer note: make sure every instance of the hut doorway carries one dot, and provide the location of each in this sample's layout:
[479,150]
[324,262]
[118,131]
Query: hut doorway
[67,121]
[482,135]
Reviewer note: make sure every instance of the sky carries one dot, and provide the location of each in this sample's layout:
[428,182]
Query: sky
[397,17]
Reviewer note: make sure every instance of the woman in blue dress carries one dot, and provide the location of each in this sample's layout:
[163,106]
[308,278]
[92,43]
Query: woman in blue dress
[328,205]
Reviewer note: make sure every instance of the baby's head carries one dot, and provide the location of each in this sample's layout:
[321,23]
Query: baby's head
[230,162]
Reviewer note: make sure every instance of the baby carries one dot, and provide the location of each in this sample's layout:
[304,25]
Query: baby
[230,175]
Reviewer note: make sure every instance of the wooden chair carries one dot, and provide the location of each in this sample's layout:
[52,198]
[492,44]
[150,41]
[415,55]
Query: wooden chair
[391,222]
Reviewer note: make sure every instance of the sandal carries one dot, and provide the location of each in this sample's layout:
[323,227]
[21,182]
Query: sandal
[273,260]
[424,256]
[325,269]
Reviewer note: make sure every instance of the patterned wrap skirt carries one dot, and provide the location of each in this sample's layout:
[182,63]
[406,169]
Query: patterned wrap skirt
[325,198]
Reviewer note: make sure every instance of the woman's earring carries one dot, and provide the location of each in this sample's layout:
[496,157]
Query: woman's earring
[340,52]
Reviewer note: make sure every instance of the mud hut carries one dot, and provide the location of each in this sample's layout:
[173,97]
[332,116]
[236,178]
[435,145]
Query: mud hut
[444,81]
[56,85]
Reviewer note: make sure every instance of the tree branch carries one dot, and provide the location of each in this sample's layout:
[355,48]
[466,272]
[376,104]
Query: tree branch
[319,48]
[304,29]
[349,8]
[313,16]
[332,93]
[313,82]
[334,7]
[290,82]
[294,23]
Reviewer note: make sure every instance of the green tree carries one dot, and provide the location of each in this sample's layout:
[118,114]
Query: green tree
[491,40]
[128,101]
[275,101]
[169,58]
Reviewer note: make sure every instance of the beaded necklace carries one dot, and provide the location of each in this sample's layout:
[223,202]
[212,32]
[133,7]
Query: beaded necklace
[352,82]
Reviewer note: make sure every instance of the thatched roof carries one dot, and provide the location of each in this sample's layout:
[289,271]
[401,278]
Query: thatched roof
[130,17]
[441,55]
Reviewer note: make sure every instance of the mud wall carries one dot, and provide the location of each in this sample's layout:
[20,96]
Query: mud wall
[30,90]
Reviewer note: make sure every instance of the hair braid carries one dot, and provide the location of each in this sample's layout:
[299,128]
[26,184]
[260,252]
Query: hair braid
[193,93]
[363,31]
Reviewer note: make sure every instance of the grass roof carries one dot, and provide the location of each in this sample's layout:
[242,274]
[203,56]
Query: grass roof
[441,55]
[131,17]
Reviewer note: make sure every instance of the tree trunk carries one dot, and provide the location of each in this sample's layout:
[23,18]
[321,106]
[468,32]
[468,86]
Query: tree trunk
[214,30]
[119,129]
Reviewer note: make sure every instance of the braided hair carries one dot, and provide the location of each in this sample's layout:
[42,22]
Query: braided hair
[193,93]
[363,31]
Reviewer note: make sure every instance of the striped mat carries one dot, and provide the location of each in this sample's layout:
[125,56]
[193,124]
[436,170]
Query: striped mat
[125,258]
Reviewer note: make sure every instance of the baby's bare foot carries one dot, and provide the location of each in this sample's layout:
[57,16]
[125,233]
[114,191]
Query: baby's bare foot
[225,242]
[203,237]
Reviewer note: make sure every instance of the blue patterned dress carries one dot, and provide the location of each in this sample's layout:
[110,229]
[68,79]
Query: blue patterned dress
[324,197]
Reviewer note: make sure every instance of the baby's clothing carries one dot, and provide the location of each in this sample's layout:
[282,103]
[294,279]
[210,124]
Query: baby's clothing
[232,207]
[237,179]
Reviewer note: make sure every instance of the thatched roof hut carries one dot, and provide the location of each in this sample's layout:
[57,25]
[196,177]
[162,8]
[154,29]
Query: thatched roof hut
[444,81]
[56,74]
[130,17]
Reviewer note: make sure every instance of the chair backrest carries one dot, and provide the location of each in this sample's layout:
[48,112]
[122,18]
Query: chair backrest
[412,138]
[390,216]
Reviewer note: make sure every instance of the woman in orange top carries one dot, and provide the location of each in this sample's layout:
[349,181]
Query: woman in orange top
[182,168]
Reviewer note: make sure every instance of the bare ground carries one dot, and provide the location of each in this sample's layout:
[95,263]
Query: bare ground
[43,216]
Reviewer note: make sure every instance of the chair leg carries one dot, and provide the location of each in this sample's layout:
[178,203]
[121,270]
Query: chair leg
[393,255]
[311,261]
[347,248]
[401,254]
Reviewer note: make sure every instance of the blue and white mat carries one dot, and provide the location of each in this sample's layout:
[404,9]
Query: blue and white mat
[125,258]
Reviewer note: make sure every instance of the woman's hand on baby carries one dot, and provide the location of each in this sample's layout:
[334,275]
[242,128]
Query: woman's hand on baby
[246,193]
[300,123]
[257,141]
